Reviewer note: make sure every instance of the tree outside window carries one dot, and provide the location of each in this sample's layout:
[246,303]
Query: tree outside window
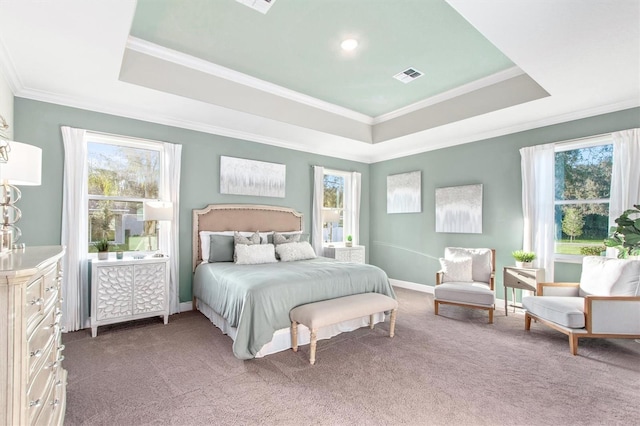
[122,175]
[582,188]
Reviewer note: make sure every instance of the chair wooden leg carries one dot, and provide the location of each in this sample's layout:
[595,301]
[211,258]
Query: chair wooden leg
[294,336]
[490,316]
[312,351]
[392,323]
[435,306]
[527,322]
[573,344]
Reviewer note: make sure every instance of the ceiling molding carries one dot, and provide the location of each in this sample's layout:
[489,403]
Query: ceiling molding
[135,114]
[521,127]
[183,59]
[450,94]
[8,70]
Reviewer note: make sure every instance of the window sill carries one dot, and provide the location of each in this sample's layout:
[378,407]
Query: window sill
[568,258]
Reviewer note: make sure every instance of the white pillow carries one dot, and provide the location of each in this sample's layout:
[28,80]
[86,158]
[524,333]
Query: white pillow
[205,240]
[255,254]
[603,276]
[295,251]
[481,267]
[457,270]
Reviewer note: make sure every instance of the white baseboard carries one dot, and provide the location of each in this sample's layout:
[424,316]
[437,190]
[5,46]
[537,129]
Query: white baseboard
[186,306]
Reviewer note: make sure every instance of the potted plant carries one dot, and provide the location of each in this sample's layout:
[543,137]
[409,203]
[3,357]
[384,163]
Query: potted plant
[103,249]
[349,241]
[523,258]
[626,236]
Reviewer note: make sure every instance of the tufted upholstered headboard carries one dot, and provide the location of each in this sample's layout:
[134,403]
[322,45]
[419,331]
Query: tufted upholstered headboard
[241,217]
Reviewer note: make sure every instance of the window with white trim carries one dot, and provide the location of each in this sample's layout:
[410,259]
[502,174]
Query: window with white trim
[123,173]
[582,189]
[336,206]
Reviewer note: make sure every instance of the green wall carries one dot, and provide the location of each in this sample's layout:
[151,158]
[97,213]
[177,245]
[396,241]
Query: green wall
[38,123]
[404,245]
[407,247]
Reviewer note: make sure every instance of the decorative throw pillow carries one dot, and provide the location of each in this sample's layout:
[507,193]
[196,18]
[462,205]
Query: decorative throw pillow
[481,267]
[240,239]
[254,254]
[279,238]
[456,270]
[295,251]
[602,276]
[221,248]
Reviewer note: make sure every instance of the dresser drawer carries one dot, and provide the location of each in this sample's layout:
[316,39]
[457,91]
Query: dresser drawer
[520,278]
[41,292]
[41,385]
[42,339]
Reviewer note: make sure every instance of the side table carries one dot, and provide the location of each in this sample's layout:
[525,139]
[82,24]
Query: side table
[522,278]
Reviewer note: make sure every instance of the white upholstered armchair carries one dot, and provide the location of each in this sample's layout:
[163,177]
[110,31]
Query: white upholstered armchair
[466,279]
[605,303]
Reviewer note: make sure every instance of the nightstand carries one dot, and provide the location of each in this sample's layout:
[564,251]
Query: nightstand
[128,289]
[354,254]
[522,278]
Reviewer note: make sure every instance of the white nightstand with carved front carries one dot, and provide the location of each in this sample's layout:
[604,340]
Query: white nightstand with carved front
[353,254]
[128,289]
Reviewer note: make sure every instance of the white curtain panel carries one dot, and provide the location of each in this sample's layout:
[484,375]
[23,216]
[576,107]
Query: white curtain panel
[538,171]
[625,177]
[316,213]
[170,230]
[74,235]
[356,190]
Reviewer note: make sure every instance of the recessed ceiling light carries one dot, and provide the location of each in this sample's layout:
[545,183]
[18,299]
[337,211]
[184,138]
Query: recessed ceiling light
[349,44]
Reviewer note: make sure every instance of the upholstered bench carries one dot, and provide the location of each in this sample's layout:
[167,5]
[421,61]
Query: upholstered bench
[333,311]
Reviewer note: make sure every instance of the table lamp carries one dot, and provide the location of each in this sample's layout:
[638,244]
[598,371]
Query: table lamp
[20,164]
[157,210]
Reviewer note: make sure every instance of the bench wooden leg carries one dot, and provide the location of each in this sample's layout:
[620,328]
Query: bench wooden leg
[371,321]
[392,323]
[294,336]
[312,351]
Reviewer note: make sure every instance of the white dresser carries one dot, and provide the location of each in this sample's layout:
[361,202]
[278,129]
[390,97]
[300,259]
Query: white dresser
[128,289]
[353,254]
[32,380]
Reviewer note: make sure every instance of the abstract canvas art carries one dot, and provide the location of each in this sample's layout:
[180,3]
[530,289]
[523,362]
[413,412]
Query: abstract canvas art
[459,209]
[249,177]
[404,193]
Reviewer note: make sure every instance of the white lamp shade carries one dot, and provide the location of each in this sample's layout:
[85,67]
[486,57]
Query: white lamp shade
[24,165]
[329,216]
[157,210]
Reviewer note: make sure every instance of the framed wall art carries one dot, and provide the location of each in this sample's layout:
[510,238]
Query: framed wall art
[404,193]
[239,176]
[459,209]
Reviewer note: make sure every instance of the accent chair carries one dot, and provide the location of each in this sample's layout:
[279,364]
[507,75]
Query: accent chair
[604,304]
[466,278]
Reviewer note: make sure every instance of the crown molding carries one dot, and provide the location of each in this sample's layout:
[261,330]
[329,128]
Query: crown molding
[170,55]
[450,94]
[521,127]
[8,70]
[132,113]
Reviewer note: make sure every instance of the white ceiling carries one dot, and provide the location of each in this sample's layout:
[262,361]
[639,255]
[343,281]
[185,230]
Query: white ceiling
[584,53]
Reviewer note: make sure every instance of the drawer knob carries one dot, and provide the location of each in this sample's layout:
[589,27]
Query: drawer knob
[48,289]
[38,301]
[35,403]
[37,353]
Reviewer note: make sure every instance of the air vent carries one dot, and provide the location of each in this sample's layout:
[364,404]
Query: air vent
[261,6]
[408,75]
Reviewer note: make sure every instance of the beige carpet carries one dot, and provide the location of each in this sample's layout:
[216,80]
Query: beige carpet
[453,369]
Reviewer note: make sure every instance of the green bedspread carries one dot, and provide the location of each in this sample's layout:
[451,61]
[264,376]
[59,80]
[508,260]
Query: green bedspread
[256,299]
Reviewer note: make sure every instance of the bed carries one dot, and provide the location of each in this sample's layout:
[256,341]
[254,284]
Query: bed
[251,303]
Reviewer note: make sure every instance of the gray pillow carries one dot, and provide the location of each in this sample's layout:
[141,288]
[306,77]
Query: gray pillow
[279,238]
[221,248]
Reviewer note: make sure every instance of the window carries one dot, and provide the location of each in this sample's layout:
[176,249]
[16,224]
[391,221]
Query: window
[582,189]
[336,206]
[122,174]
